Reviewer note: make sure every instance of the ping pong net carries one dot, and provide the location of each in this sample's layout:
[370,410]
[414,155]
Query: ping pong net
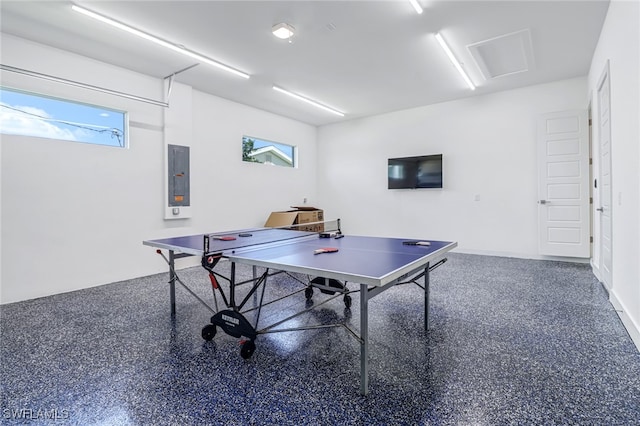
[219,242]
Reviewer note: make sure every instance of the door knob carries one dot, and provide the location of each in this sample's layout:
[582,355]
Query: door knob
[544,202]
[600,209]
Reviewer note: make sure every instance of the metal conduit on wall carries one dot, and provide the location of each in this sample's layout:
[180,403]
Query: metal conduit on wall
[82,85]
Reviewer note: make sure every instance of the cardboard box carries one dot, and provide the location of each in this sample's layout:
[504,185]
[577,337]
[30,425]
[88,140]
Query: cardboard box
[298,216]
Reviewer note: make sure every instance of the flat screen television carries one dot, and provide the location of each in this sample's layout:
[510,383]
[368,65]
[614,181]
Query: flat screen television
[424,171]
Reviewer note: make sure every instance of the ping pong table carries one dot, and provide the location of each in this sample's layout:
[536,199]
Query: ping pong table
[375,264]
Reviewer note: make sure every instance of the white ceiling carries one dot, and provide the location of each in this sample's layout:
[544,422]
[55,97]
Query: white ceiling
[361,57]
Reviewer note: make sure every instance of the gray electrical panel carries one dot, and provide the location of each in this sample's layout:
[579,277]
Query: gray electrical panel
[178,163]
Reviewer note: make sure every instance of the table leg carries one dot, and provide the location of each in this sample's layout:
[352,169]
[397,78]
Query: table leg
[426,297]
[254,269]
[364,336]
[172,281]
[232,287]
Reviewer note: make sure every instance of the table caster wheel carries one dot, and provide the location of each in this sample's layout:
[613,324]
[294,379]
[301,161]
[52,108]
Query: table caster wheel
[308,293]
[208,332]
[347,301]
[248,347]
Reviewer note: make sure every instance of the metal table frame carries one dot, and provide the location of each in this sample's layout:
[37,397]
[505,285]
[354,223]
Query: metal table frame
[416,271]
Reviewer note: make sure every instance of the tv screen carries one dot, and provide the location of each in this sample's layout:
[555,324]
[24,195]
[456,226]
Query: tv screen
[423,171]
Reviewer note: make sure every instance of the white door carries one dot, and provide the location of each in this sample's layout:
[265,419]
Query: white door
[604,181]
[563,184]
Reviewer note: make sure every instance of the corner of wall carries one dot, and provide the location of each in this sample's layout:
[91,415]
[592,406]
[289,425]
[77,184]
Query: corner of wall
[632,328]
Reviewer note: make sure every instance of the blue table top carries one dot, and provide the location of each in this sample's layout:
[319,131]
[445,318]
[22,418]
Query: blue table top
[365,260]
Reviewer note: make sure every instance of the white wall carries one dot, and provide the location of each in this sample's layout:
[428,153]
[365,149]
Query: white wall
[619,46]
[489,151]
[74,215]
[240,194]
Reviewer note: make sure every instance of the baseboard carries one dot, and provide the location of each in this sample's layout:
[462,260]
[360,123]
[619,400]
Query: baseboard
[632,328]
[596,272]
[523,256]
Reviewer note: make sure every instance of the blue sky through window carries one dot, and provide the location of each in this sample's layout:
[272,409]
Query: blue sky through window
[284,153]
[259,143]
[32,115]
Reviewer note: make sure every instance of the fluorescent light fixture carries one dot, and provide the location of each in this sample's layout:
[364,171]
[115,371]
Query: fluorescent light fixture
[309,101]
[416,6]
[283,31]
[455,62]
[158,41]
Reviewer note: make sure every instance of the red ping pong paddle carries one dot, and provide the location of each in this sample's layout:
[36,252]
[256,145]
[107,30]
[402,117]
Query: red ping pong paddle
[223,237]
[325,250]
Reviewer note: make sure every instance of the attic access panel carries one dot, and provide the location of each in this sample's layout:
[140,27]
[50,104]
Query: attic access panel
[504,55]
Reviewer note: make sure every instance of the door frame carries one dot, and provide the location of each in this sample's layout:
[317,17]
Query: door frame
[607,280]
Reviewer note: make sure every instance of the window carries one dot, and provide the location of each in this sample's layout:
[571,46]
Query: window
[256,150]
[29,114]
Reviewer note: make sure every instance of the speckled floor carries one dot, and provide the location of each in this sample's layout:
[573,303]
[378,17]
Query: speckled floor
[511,342]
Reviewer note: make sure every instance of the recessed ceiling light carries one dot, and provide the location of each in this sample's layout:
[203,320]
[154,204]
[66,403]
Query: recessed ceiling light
[283,31]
